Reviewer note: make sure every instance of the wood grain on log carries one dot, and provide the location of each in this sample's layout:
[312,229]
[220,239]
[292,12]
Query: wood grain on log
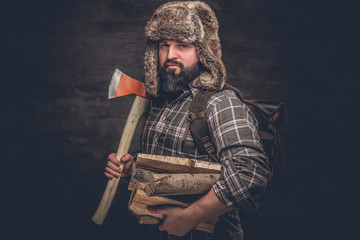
[168,164]
[167,184]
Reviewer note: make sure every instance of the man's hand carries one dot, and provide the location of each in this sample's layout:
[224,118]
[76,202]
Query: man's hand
[112,168]
[177,221]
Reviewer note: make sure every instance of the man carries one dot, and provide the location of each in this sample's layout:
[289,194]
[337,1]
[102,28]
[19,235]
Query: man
[183,54]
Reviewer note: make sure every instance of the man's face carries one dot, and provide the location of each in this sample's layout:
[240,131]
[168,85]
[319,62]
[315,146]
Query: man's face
[179,65]
[173,54]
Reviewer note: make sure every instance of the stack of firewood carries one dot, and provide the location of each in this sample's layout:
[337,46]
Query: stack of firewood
[162,180]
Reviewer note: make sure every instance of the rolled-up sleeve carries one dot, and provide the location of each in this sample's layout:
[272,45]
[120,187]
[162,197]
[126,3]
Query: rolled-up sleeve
[244,171]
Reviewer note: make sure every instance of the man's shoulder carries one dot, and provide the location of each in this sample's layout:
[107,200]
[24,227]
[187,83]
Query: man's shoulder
[227,103]
[224,98]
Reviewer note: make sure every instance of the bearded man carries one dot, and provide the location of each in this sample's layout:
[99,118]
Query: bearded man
[183,55]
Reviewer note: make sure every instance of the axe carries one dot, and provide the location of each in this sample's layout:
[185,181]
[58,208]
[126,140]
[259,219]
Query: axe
[122,85]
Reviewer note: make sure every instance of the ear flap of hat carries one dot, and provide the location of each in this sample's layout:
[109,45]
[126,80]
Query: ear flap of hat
[151,68]
[209,48]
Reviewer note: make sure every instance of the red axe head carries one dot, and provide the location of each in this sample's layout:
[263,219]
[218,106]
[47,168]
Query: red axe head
[122,85]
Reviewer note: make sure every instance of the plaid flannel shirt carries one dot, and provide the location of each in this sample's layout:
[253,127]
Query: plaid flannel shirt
[233,129]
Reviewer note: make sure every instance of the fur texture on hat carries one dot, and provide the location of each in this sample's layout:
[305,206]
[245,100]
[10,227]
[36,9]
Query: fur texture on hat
[191,22]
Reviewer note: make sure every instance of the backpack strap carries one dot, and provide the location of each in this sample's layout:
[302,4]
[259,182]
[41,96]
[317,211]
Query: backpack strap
[198,125]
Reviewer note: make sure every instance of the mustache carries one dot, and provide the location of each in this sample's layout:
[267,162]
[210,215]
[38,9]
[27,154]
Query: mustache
[173,62]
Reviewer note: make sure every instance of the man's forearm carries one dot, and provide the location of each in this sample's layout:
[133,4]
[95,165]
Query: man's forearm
[179,221]
[207,207]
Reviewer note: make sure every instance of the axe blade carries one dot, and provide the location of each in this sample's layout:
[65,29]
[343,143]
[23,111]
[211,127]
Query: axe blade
[122,85]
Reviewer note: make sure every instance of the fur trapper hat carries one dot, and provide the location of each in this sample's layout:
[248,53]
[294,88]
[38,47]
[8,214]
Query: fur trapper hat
[191,22]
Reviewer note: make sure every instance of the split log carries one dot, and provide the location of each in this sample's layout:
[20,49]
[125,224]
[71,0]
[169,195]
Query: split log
[139,201]
[168,164]
[169,184]
[143,176]
[181,184]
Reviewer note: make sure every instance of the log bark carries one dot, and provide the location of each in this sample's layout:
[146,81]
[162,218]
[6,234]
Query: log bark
[143,176]
[139,201]
[181,184]
[168,184]
[168,164]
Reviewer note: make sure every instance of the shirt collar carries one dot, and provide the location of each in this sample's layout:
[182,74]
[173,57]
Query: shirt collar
[195,86]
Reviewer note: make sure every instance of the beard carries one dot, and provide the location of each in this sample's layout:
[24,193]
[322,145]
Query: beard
[174,84]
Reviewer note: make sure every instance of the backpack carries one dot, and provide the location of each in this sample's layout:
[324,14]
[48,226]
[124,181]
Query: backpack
[270,117]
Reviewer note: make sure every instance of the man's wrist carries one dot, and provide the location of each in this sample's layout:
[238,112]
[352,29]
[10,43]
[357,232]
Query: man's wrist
[209,206]
[198,211]
[193,214]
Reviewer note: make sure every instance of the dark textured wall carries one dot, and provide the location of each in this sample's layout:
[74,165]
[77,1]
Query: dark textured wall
[58,127]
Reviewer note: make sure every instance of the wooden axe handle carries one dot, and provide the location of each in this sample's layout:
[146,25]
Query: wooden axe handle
[136,110]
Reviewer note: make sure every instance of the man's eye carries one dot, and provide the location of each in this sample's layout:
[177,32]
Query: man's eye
[164,45]
[183,46]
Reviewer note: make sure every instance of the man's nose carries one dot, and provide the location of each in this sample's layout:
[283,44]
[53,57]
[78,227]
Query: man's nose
[172,52]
